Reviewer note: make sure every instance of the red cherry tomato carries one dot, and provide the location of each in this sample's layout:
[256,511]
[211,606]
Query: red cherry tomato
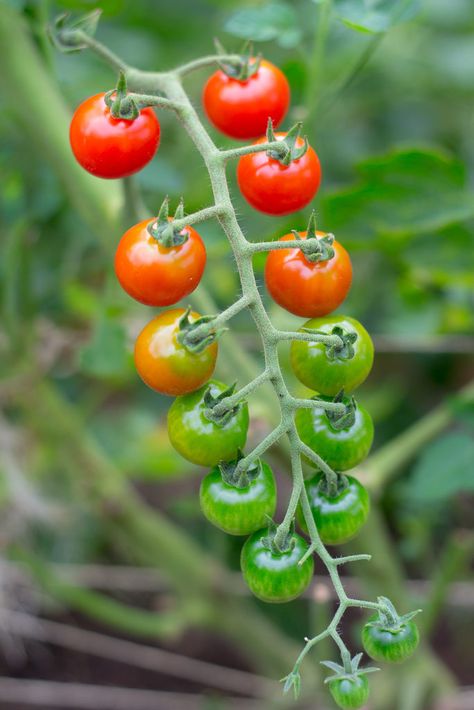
[278,189]
[305,288]
[157,275]
[109,147]
[241,109]
[164,364]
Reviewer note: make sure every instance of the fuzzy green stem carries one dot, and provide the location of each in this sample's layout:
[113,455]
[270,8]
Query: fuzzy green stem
[230,402]
[275,146]
[203,62]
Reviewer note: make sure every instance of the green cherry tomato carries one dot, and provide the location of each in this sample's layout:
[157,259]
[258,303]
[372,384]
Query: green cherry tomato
[338,518]
[341,449]
[350,692]
[390,645]
[328,370]
[199,439]
[238,511]
[275,577]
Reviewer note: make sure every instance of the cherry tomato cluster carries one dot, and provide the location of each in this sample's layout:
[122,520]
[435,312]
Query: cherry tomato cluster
[159,262]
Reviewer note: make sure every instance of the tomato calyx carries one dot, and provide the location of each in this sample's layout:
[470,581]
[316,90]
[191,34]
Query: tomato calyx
[344,349]
[122,105]
[67,35]
[290,150]
[198,334]
[349,671]
[239,479]
[162,228]
[388,618]
[277,544]
[220,415]
[315,248]
[330,490]
[246,66]
[345,419]
[292,681]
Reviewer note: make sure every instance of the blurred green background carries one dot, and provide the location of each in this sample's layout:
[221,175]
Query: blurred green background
[88,479]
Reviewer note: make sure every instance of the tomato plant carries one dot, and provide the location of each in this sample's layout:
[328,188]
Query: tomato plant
[240,108]
[111,147]
[272,187]
[164,363]
[341,448]
[198,438]
[328,369]
[390,644]
[156,274]
[307,286]
[338,516]
[241,507]
[272,575]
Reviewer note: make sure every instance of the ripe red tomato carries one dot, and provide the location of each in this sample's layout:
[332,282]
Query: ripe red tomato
[241,108]
[112,147]
[164,364]
[157,275]
[278,189]
[306,288]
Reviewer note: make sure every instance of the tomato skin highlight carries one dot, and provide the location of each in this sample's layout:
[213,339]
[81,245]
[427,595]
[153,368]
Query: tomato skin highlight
[314,369]
[238,511]
[390,645]
[341,449]
[276,189]
[350,693]
[339,518]
[198,439]
[109,147]
[304,288]
[164,364]
[241,109]
[156,275]
[275,578]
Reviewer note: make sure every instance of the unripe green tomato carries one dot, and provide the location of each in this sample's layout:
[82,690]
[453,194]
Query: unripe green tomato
[238,511]
[341,449]
[196,437]
[313,367]
[390,645]
[350,693]
[272,577]
[339,518]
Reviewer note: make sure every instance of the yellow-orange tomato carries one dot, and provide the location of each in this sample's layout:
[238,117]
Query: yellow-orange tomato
[157,275]
[166,365]
[305,288]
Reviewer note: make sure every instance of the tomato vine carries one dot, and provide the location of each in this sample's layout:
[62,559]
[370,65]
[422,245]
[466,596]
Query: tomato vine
[141,90]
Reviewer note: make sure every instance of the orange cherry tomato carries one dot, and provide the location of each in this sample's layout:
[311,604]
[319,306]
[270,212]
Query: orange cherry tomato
[278,189]
[305,288]
[157,275]
[164,364]
[111,147]
[241,108]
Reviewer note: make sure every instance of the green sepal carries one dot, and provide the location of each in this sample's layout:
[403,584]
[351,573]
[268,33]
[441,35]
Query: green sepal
[313,247]
[292,681]
[195,341]
[66,34]
[162,228]
[347,419]
[342,673]
[290,140]
[342,484]
[269,540]
[343,351]
[242,69]
[210,400]
[388,618]
[121,105]
[242,479]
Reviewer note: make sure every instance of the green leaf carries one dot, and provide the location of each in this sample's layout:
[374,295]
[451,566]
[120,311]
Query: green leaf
[444,469]
[375,16]
[403,193]
[274,21]
[106,355]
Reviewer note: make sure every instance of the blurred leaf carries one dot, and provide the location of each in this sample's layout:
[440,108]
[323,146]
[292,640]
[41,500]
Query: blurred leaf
[106,355]
[374,16]
[444,469]
[405,192]
[463,410]
[275,21]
